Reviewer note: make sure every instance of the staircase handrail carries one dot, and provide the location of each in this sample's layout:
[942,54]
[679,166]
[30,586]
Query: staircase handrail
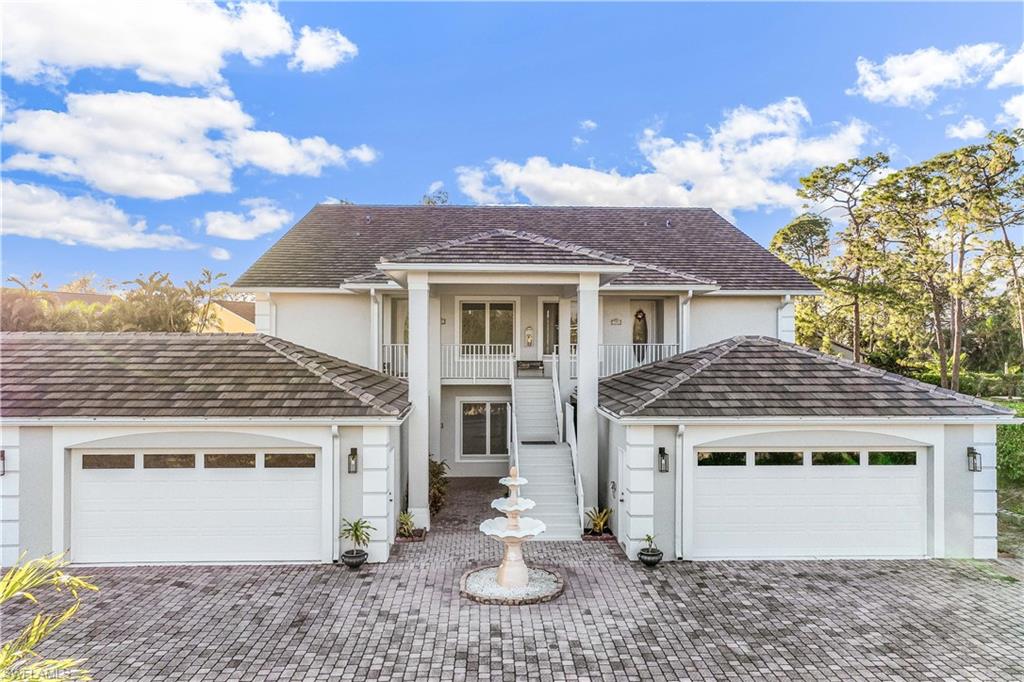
[559,417]
[513,450]
[570,437]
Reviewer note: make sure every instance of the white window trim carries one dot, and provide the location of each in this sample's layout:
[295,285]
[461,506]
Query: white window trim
[516,302]
[861,451]
[460,456]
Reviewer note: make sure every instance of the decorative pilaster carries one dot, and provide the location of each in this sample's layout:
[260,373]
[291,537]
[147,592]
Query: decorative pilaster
[376,500]
[985,503]
[638,488]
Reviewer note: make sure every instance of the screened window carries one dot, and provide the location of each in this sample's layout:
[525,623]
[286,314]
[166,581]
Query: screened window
[845,458]
[229,460]
[721,459]
[486,323]
[154,461]
[108,461]
[892,458]
[289,460]
[778,458]
[484,429]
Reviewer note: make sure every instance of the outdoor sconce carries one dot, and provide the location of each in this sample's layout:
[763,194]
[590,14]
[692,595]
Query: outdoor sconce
[973,460]
[353,461]
[662,460]
[529,337]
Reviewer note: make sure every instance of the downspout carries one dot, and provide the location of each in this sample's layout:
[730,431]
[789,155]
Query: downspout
[336,490]
[679,491]
[374,330]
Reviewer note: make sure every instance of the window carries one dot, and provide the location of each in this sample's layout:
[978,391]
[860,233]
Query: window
[549,320]
[892,458]
[230,461]
[484,429]
[721,459]
[488,323]
[169,461]
[778,458]
[835,458]
[289,460]
[108,461]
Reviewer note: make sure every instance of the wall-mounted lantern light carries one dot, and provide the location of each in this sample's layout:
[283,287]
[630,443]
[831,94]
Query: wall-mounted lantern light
[529,337]
[973,460]
[662,460]
[353,461]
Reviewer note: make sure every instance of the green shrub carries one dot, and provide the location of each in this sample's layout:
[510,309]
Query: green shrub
[438,492]
[1010,448]
[980,383]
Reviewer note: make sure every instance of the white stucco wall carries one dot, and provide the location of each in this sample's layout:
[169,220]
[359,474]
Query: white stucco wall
[713,318]
[336,324]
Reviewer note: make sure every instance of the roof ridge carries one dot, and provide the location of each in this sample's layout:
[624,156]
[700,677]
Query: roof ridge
[305,358]
[525,235]
[931,389]
[721,348]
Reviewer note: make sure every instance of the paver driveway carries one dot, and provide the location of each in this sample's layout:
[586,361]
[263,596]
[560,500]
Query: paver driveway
[740,620]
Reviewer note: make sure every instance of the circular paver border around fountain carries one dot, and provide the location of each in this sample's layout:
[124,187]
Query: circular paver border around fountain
[537,592]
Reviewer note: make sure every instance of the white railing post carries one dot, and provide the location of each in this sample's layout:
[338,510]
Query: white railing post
[557,391]
[570,437]
[513,452]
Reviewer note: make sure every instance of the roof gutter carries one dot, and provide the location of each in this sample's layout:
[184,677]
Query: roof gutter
[208,421]
[784,421]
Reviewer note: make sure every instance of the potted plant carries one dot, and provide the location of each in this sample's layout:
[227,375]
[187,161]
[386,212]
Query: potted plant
[599,518]
[407,531]
[650,555]
[358,532]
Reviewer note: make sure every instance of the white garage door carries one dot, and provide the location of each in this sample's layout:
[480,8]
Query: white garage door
[810,503]
[194,507]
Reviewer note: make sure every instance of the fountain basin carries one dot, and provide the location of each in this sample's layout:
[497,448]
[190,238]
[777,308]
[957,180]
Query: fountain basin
[498,528]
[481,585]
[505,505]
[512,480]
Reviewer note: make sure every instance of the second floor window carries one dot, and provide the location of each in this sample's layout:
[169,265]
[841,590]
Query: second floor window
[488,323]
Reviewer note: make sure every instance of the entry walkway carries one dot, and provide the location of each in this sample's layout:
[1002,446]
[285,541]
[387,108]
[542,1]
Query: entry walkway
[848,620]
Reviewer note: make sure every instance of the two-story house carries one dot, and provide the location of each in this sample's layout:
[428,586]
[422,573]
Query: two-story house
[636,358]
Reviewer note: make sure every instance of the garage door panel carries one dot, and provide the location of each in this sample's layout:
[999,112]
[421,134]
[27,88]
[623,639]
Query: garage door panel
[762,511]
[195,515]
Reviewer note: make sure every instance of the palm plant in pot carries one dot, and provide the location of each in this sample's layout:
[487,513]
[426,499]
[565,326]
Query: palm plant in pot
[650,555]
[358,533]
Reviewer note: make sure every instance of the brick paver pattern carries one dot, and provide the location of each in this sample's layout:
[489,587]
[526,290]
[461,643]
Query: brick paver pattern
[805,620]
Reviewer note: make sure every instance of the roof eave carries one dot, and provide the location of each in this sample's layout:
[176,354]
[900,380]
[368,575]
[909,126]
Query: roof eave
[642,420]
[369,420]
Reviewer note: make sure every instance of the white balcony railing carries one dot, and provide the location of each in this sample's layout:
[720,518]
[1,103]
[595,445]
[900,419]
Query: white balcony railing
[617,358]
[394,359]
[474,362]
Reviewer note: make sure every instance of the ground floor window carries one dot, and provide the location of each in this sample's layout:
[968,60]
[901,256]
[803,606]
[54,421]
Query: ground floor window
[484,428]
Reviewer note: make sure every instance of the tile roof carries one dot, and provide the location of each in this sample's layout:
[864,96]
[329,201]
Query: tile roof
[506,247]
[765,377]
[48,374]
[244,309]
[335,243]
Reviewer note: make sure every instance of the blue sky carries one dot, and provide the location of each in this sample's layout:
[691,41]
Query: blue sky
[171,141]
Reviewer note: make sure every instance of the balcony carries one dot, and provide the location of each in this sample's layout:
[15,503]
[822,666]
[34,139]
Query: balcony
[491,363]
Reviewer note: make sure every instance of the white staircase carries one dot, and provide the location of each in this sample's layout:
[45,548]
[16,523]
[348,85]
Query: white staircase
[544,461]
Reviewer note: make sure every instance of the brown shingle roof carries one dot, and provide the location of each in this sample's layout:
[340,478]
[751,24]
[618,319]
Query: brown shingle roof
[46,374]
[764,377]
[333,244]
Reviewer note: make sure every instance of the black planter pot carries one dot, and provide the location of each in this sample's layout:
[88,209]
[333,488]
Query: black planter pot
[353,558]
[649,556]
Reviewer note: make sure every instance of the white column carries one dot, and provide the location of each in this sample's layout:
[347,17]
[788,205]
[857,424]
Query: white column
[564,323]
[374,461]
[435,375]
[638,488]
[266,314]
[684,321]
[787,320]
[689,470]
[587,375]
[375,329]
[419,396]
[985,519]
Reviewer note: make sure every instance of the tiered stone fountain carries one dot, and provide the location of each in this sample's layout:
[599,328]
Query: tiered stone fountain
[512,582]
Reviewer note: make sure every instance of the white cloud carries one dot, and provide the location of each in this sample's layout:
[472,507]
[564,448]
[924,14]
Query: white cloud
[43,213]
[588,125]
[968,128]
[1011,73]
[435,186]
[263,217]
[746,163]
[913,79]
[363,153]
[180,43]
[1013,112]
[578,141]
[218,253]
[159,147]
[322,48]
